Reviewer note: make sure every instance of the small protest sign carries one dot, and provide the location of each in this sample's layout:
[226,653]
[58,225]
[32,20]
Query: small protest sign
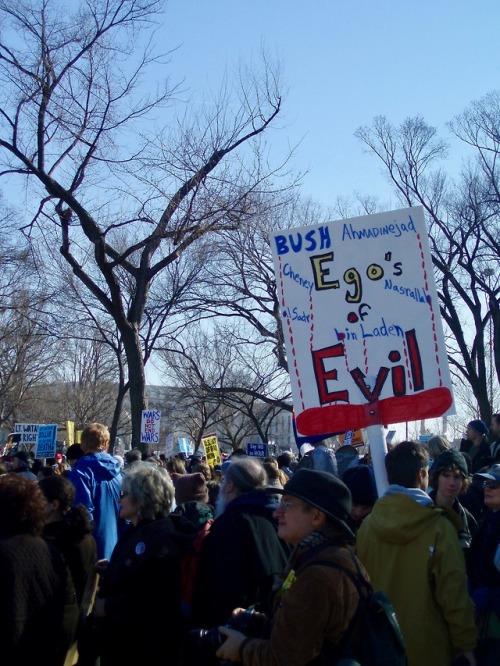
[169,445]
[46,441]
[28,432]
[150,426]
[257,450]
[212,452]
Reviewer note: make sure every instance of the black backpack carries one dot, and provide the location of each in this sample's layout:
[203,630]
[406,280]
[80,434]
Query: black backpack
[373,638]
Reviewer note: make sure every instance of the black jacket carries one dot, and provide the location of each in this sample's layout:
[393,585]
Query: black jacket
[33,595]
[481,456]
[141,588]
[240,561]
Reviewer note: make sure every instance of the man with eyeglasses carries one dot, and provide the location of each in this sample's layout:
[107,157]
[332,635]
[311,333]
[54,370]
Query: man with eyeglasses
[316,602]
[484,574]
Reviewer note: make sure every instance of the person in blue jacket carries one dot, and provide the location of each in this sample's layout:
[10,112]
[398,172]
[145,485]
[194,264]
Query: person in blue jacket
[97,478]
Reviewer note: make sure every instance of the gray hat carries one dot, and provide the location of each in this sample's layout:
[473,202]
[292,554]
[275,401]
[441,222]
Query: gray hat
[323,491]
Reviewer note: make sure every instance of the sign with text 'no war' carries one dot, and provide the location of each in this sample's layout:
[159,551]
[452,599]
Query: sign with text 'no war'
[361,321]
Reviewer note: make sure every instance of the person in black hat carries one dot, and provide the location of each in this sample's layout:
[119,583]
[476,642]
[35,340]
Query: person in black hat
[449,478]
[476,445]
[316,602]
[21,465]
[361,482]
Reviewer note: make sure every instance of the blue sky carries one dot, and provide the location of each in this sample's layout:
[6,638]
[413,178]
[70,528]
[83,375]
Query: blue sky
[344,63]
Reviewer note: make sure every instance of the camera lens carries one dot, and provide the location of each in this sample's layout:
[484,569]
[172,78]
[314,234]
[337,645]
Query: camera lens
[207,639]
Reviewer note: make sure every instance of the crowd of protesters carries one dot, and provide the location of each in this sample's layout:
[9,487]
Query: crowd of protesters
[125,560]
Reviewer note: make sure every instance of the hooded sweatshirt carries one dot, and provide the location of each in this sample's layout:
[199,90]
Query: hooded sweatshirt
[97,478]
[411,551]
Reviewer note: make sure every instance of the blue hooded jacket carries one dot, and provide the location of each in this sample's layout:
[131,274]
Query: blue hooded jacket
[97,478]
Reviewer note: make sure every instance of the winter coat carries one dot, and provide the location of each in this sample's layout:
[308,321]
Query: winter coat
[79,552]
[411,551]
[315,603]
[97,478]
[240,560]
[480,455]
[484,576]
[33,596]
[141,588]
[495,451]
[468,524]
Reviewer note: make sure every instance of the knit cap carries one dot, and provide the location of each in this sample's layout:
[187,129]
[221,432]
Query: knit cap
[450,458]
[479,426]
[361,482]
[190,488]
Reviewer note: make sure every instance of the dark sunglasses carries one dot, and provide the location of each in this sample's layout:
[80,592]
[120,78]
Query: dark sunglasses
[492,485]
[123,494]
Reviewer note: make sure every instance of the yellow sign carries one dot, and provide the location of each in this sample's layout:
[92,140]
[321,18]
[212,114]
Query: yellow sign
[70,433]
[212,452]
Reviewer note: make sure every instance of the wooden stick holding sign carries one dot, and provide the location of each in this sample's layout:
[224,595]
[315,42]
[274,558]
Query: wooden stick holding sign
[362,327]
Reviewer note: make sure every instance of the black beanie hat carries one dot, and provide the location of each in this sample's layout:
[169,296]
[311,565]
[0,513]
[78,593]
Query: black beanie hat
[479,426]
[361,482]
[323,491]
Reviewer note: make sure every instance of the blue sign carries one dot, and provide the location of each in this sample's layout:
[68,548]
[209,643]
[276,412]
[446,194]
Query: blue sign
[46,441]
[258,450]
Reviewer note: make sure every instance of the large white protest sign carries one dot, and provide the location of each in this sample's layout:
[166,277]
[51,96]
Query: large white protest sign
[361,322]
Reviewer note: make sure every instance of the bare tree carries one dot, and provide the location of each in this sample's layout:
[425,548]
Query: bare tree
[28,357]
[463,226]
[122,198]
[224,382]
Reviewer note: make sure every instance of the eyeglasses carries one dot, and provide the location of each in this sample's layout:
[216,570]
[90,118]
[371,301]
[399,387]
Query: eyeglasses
[492,485]
[123,494]
[286,505]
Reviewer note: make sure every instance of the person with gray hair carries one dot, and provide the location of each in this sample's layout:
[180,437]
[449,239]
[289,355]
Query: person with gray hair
[242,557]
[143,575]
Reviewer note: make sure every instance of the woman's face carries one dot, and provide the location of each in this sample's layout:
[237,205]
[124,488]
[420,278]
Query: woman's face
[129,507]
[450,483]
[492,495]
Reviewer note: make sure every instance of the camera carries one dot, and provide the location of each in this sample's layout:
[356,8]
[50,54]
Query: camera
[249,622]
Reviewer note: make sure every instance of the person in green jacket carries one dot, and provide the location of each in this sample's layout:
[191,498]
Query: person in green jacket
[411,552]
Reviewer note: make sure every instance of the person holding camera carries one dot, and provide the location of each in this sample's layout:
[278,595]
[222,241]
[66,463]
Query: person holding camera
[316,602]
